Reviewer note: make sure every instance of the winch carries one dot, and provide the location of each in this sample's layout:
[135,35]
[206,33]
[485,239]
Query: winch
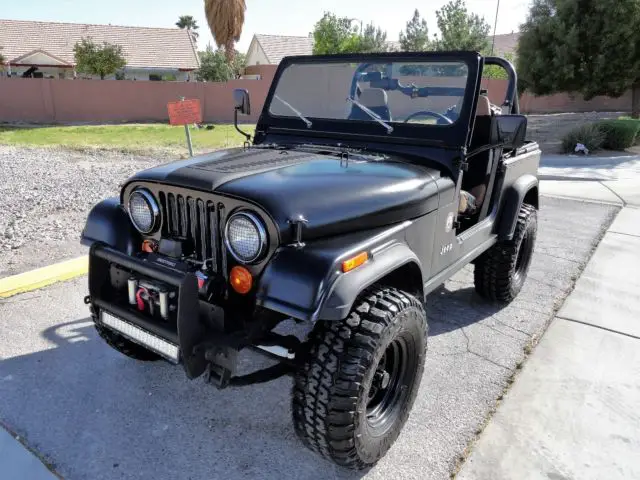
[151,296]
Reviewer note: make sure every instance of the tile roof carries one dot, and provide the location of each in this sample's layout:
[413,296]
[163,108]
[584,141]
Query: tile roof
[143,47]
[276,47]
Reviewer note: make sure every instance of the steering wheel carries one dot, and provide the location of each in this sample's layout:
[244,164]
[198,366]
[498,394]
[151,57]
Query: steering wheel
[429,113]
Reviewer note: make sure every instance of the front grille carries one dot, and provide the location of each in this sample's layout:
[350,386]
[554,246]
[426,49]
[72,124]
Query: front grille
[199,221]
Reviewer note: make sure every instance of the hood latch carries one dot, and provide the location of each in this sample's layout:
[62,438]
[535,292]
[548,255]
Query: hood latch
[297,225]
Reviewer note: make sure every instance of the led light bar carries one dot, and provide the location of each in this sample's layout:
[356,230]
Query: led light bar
[136,334]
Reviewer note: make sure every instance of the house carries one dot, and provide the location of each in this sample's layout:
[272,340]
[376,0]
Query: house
[506,44]
[45,49]
[270,49]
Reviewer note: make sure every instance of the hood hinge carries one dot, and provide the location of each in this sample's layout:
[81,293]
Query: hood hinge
[460,161]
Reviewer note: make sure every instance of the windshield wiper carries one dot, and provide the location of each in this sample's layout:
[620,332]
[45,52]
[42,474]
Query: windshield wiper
[300,116]
[372,114]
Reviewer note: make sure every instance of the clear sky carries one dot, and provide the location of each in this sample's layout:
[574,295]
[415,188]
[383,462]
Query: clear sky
[283,17]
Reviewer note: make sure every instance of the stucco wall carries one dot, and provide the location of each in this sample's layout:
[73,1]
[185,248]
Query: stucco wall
[68,101]
[255,54]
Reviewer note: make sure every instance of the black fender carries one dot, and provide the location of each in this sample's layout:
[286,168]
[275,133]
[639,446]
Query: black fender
[109,224]
[525,188]
[308,283]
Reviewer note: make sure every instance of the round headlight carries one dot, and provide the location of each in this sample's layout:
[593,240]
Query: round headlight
[246,237]
[143,211]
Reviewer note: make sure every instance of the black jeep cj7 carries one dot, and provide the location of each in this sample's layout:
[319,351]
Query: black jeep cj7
[369,181]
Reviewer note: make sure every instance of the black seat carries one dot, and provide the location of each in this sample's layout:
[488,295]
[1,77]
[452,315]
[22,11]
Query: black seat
[375,99]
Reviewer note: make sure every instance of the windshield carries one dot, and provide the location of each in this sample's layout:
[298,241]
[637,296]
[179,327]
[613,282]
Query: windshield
[384,92]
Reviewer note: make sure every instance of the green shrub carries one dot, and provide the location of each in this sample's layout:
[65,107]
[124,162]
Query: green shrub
[629,119]
[589,134]
[619,134]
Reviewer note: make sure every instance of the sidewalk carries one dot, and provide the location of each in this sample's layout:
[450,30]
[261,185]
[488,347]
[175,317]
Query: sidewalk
[17,462]
[573,413]
[612,179]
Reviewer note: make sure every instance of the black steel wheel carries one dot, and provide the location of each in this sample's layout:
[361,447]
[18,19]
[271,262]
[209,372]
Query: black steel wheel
[501,271]
[126,346]
[359,379]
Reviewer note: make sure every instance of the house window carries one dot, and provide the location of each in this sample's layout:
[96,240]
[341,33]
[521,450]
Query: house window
[154,77]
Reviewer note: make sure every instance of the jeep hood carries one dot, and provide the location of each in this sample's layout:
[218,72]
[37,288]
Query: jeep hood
[334,195]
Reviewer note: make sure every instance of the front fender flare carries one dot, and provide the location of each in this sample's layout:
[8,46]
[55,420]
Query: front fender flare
[108,223]
[346,288]
[525,186]
[308,283]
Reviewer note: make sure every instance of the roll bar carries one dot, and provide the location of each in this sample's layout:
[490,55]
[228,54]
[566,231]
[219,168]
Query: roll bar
[511,98]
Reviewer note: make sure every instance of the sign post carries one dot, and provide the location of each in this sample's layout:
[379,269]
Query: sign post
[188,133]
[184,112]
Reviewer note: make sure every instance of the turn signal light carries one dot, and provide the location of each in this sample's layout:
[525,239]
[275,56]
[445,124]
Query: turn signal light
[241,279]
[354,262]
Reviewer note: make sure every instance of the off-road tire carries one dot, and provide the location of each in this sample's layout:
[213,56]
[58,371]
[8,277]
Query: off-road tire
[500,272]
[331,388]
[126,346]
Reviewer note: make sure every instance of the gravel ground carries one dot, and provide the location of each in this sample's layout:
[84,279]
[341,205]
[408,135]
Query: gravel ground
[93,413]
[47,194]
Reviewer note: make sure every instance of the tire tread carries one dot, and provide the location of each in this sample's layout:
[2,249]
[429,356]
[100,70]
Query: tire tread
[325,391]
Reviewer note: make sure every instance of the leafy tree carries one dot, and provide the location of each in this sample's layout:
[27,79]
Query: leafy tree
[415,37]
[215,68]
[226,19]
[187,22]
[373,39]
[586,46]
[333,34]
[494,71]
[461,30]
[98,60]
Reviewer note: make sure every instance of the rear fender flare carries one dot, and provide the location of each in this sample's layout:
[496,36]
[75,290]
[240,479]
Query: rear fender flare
[524,188]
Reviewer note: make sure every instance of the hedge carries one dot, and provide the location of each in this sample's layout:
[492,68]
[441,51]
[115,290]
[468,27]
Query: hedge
[620,134]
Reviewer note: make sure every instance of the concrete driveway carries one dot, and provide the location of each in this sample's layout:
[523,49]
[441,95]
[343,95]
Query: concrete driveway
[93,413]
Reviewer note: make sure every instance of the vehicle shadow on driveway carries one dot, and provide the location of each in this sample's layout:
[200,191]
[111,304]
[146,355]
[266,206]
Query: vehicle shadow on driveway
[102,415]
[452,309]
[110,416]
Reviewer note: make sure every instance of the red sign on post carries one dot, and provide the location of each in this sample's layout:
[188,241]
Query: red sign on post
[185,112]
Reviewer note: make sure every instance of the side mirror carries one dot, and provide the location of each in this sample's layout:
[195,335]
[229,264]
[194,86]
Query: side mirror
[511,130]
[241,101]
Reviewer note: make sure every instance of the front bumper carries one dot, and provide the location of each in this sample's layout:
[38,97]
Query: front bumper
[186,334]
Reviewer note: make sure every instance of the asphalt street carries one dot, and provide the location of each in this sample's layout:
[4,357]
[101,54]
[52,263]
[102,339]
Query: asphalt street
[93,413]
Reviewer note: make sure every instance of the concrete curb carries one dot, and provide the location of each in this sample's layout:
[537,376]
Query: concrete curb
[568,161]
[41,277]
[18,461]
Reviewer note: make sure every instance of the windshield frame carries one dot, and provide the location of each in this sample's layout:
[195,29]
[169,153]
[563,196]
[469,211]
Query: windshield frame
[453,135]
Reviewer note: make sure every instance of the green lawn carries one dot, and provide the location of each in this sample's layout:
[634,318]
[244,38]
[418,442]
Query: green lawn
[133,138]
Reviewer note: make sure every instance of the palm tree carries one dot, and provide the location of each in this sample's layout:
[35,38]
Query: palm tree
[190,23]
[226,18]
